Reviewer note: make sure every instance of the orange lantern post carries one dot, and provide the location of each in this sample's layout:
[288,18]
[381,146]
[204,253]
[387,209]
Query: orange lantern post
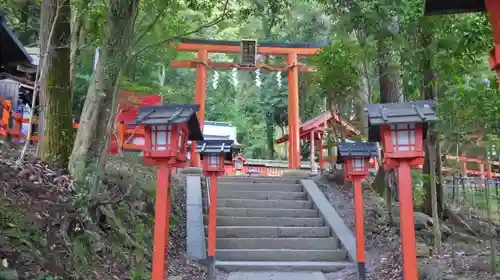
[167,128]
[356,157]
[401,127]
[213,153]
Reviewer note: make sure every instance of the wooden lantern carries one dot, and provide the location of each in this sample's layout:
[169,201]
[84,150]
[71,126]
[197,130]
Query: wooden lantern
[213,153]
[401,128]
[167,128]
[356,158]
[239,162]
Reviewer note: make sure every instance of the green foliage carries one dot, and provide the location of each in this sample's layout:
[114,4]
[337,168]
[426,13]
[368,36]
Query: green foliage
[337,68]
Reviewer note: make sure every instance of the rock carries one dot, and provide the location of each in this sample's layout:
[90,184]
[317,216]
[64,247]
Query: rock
[453,277]
[464,238]
[481,264]
[423,250]
[445,231]
[422,221]
[429,272]
[9,274]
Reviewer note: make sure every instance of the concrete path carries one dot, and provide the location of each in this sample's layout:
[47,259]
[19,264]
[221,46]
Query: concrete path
[276,276]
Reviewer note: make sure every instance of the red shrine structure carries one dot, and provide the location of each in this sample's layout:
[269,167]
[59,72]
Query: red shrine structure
[249,49]
[313,131]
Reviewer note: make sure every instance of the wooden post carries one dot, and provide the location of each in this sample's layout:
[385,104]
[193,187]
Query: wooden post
[4,124]
[162,223]
[463,165]
[16,130]
[293,111]
[121,134]
[312,146]
[360,228]
[212,217]
[320,153]
[199,98]
[481,171]
[405,190]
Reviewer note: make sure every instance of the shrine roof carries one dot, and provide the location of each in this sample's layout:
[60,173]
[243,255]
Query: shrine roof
[318,122]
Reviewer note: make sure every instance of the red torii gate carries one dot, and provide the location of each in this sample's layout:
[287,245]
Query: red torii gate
[202,62]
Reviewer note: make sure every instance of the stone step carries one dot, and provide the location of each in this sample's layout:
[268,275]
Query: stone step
[256,203]
[270,232]
[255,179]
[279,255]
[276,275]
[272,195]
[281,187]
[268,221]
[266,212]
[328,243]
[232,266]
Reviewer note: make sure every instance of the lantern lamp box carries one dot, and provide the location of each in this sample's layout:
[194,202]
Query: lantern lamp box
[421,111]
[439,7]
[356,157]
[167,129]
[214,153]
[401,128]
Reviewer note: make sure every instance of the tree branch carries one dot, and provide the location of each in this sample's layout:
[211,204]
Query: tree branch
[220,18]
[150,26]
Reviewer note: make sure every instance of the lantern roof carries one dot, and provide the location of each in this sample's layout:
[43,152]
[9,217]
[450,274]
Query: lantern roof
[421,111]
[171,114]
[215,146]
[439,7]
[358,149]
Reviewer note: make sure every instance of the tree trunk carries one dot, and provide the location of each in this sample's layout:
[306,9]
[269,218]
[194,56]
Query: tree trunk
[267,26]
[91,144]
[429,91]
[431,152]
[389,81]
[270,137]
[76,27]
[55,85]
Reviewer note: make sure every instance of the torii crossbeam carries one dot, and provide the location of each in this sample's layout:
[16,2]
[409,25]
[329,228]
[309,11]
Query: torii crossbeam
[291,50]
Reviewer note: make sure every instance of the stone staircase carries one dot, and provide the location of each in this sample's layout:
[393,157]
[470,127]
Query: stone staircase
[271,224]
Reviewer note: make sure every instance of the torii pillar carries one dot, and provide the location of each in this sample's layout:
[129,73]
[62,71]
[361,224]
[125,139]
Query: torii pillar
[293,112]
[200,94]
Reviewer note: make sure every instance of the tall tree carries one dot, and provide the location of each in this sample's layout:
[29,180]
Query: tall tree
[55,82]
[92,139]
